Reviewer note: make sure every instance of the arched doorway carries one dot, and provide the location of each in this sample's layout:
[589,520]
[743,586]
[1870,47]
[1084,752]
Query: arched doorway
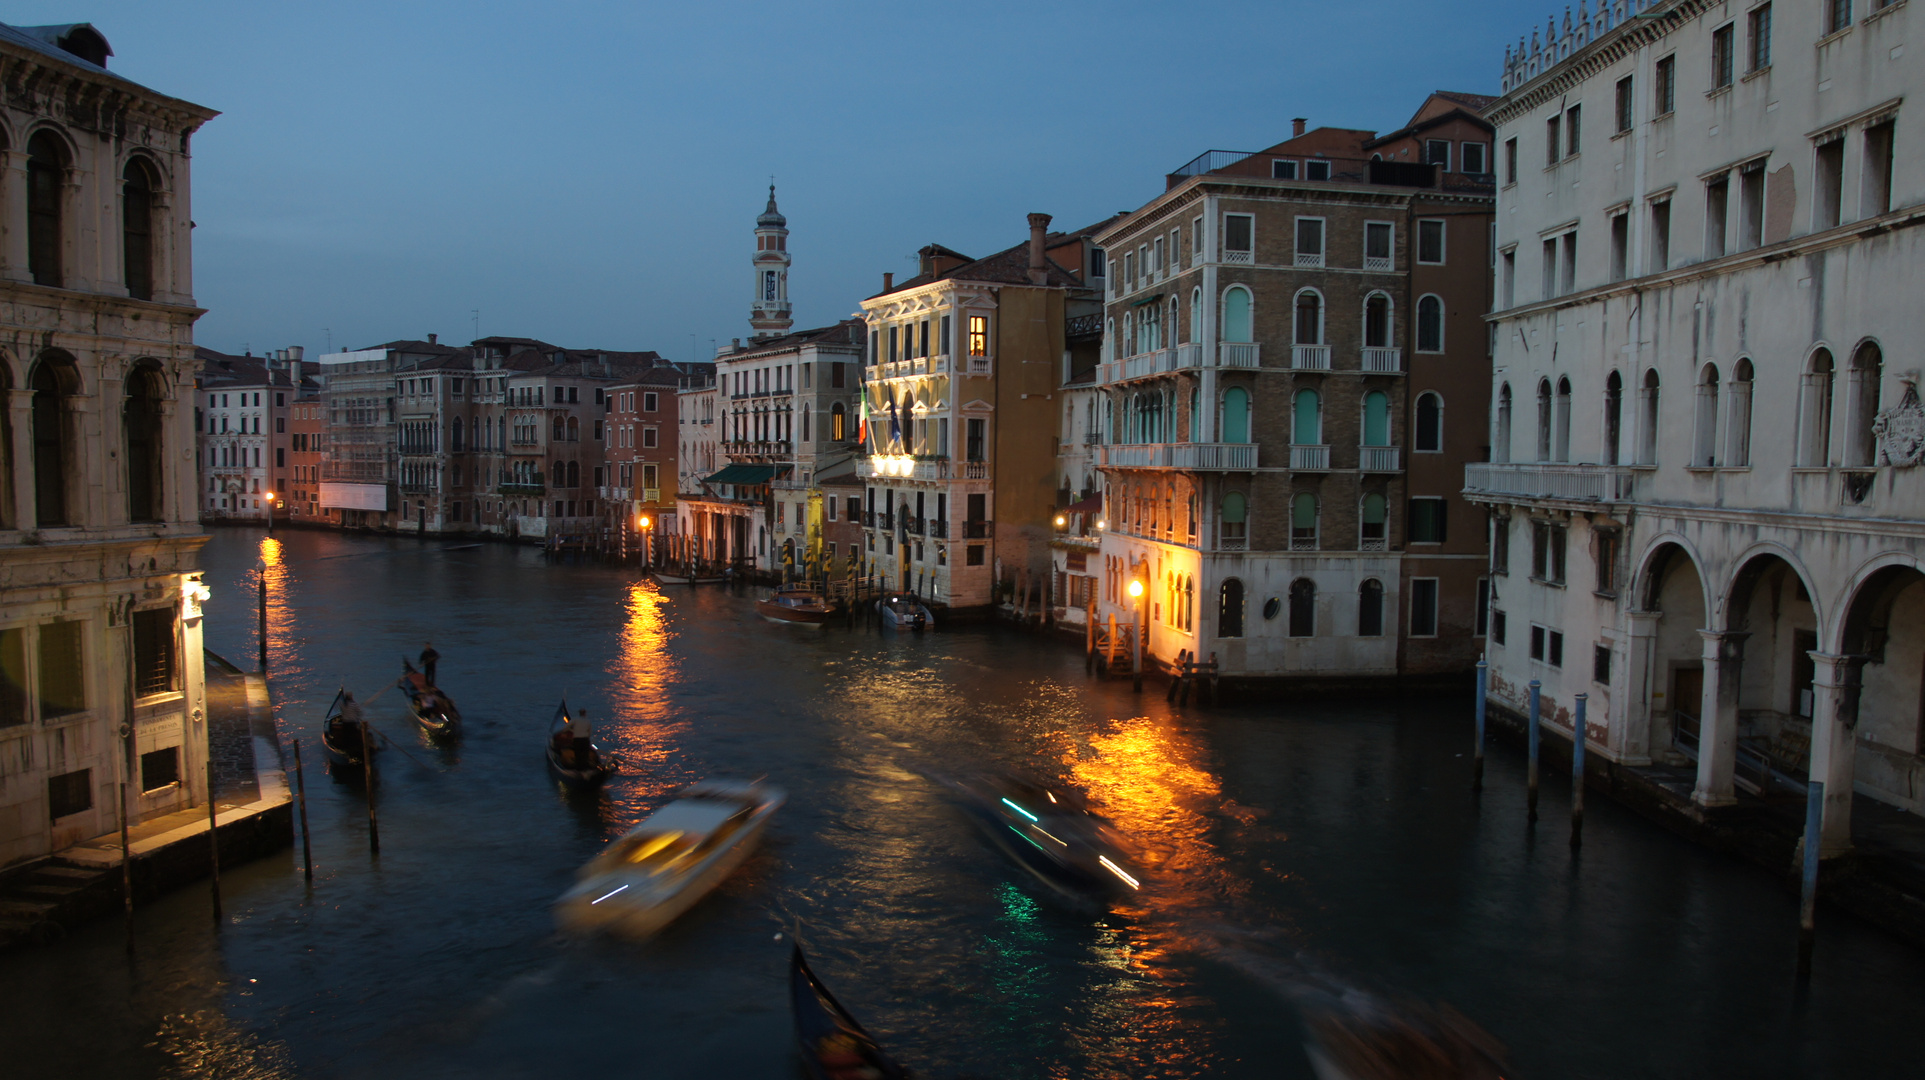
[1771,630]
[1666,657]
[1868,729]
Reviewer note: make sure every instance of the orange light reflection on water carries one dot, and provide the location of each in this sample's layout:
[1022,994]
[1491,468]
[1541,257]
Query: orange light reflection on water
[643,728]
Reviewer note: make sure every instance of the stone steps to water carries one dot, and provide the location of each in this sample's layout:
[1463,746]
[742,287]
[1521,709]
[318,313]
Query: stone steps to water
[38,902]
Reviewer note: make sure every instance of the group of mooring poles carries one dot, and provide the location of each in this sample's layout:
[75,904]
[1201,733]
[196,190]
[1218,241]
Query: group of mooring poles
[1814,800]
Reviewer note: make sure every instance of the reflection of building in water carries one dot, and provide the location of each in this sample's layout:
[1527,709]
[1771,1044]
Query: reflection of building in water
[100,638]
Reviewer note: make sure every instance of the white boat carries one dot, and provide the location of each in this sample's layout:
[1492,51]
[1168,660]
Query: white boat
[904,611]
[671,860]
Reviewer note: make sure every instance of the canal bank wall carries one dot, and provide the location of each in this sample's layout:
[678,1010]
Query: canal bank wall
[1881,880]
[253,818]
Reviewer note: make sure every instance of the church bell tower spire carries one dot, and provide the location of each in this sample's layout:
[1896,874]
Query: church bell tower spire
[769,314]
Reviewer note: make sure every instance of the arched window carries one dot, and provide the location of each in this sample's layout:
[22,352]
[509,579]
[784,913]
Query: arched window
[1862,386]
[1543,419]
[1648,419]
[561,429]
[838,422]
[1376,418]
[1236,314]
[1306,419]
[1236,415]
[137,228]
[1370,609]
[1303,522]
[559,477]
[455,442]
[1430,324]
[1374,515]
[1501,442]
[1704,447]
[46,177]
[1563,419]
[1303,608]
[1231,531]
[1229,616]
[142,425]
[1613,416]
[1309,320]
[1196,314]
[1814,422]
[1377,321]
[574,430]
[574,474]
[1430,423]
[1737,452]
[6,450]
[53,383]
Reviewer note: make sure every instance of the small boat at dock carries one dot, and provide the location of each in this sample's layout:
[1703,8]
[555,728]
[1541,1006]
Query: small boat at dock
[572,756]
[432,709]
[671,860]
[905,611]
[796,603]
[681,575]
[832,1045]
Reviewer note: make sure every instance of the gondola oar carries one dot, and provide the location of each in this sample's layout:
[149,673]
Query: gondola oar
[397,746]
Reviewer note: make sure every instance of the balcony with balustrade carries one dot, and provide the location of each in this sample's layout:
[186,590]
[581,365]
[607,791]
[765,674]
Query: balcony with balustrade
[1381,361]
[1238,354]
[1190,456]
[1310,458]
[1380,458]
[1551,482]
[1310,358]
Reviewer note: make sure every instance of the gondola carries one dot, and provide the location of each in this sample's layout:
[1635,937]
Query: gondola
[342,740]
[833,1046]
[579,764]
[681,576]
[432,709]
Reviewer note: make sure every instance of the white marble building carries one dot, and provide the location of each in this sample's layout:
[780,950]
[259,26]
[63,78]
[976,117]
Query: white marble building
[1705,483]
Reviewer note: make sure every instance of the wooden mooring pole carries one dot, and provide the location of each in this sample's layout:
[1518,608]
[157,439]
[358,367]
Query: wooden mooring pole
[1477,751]
[1530,765]
[126,868]
[213,840]
[1808,890]
[367,782]
[1577,772]
[300,780]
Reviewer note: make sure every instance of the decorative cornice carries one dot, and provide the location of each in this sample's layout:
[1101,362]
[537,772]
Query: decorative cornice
[1629,33]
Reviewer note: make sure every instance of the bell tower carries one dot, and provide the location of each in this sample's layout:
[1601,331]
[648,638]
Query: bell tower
[769,314]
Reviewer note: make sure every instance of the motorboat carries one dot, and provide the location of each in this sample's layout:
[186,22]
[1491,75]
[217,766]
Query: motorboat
[671,860]
[832,1045]
[432,709]
[681,575]
[1051,832]
[572,756]
[905,611]
[796,603]
[341,738]
[1363,1037]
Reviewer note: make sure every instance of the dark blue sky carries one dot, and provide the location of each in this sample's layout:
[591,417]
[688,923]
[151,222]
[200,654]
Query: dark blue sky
[589,173]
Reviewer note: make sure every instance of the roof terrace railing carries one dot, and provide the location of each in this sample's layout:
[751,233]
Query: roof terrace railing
[1210,161]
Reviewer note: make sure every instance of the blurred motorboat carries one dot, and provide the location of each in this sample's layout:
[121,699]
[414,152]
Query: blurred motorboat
[1053,834]
[833,1046]
[671,860]
[796,603]
[905,611]
[1366,1038]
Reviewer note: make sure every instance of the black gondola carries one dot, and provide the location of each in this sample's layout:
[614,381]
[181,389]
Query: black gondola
[432,709]
[578,763]
[833,1046]
[342,740]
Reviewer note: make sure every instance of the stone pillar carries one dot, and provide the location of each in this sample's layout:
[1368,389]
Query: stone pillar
[1633,742]
[1834,744]
[20,423]
[13,196]
[1724,657]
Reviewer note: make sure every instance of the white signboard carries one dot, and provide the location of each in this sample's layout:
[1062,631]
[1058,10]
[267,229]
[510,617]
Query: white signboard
[354,496]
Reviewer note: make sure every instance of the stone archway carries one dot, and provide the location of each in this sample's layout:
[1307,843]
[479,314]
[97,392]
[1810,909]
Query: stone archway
[1868,725]
[1666,679]
[1770,630]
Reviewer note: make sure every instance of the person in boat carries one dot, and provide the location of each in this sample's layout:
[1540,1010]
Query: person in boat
[349,720]
[582,748]
[428,658]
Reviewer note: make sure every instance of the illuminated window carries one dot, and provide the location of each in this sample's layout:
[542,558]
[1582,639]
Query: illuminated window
[979,335]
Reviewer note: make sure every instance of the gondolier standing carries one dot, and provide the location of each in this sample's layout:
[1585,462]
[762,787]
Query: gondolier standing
[428,657]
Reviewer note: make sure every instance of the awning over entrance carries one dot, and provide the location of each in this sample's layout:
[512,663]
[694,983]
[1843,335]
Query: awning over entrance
[742,474]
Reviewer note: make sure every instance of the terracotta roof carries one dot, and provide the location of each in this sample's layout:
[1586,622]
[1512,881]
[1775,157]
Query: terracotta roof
[846,332]
[1480,102]
[1010,266]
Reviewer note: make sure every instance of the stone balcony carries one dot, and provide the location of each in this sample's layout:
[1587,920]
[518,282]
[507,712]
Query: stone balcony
[1557,482]
[1193,456]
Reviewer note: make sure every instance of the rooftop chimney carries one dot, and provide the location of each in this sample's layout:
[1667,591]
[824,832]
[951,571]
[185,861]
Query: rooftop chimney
[1038,225]
[295,352]
[1296,126]
[431,339]
[888,281]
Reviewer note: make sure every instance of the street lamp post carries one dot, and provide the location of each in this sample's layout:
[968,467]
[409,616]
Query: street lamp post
[1136,634]
[270,512]
[648,550]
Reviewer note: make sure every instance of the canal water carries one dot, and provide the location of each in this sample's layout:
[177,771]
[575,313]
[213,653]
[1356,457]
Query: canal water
[1297,850]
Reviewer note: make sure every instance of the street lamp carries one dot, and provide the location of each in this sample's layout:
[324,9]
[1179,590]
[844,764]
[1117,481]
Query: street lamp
[270,512]
[1136,634]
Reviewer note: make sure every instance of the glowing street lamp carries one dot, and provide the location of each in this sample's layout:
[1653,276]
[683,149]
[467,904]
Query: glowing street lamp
[1136,635]
[270,512]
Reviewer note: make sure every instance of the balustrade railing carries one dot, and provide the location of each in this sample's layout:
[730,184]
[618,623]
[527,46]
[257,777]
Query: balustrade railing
[1383,361]
[1584,483]
[1237,354]
[1379,458]
[1310,458]
[1310,357]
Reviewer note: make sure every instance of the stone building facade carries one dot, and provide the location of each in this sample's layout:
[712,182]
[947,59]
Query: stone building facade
[1293,345]
[102,698]
[1706,478]
[965,361]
